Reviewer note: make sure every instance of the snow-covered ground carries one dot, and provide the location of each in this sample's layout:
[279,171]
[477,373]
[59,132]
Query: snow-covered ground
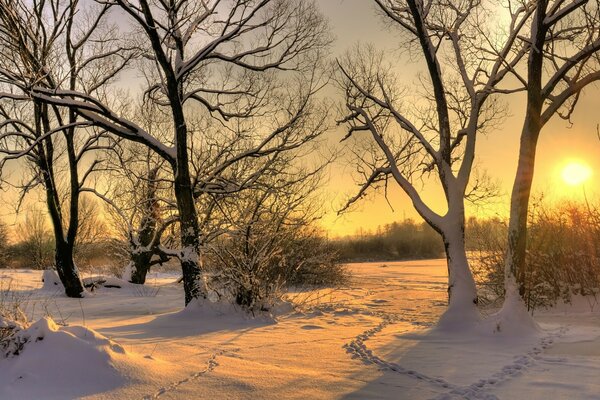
[367,341]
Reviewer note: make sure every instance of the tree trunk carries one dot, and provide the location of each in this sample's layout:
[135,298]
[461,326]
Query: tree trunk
[67,271]
[188,215]
[143,250]
[190,235]
[513,315]
[519,205]
[140,266]
[519,202]
[462,291]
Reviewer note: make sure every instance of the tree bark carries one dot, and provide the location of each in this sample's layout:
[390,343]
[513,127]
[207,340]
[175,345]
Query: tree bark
[140,266]
[519,203]
[519,208]
[65,266]
[190,232]
[67,271]
[462,290]
[143,249]
[186,206]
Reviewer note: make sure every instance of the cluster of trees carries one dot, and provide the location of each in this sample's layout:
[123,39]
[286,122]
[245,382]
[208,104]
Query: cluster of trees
[404,240]
[211,147]
[227,116]
[546,49]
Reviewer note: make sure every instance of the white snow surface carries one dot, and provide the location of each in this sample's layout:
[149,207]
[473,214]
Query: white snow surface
[370,340]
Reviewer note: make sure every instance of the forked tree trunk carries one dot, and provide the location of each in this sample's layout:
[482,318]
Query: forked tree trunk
[140,266]
[142,251]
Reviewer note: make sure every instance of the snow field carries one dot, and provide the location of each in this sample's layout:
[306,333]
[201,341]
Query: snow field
[371,340]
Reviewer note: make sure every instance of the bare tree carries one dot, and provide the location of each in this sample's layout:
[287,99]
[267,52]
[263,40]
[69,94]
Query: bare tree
[414,137]
[51,44]
[564,58]
[138,194]
[221,58]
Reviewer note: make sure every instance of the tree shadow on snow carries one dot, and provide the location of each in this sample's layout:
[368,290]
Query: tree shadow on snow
[195,319]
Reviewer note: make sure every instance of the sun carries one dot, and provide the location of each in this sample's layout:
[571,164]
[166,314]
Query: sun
[576,173]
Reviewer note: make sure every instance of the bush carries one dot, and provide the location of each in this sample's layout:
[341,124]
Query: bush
[563,255]
[12,321]
[254,270]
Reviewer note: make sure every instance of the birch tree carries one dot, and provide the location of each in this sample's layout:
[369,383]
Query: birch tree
[563,60]
[466,62]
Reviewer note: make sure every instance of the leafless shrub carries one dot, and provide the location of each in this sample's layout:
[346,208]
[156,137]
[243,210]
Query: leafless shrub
[271,243]
[257,270]
[563,255]
[12,319]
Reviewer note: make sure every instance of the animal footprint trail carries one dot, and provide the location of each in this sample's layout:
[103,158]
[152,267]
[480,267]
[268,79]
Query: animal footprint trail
[359,349]
[477,390]
[211,364]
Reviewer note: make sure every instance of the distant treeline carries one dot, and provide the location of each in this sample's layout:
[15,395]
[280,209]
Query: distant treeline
[396,241]
[410,240]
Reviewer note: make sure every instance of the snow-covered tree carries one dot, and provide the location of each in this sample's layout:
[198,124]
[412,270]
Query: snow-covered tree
[222,59]
[49,44]
[466,61]
[564,58]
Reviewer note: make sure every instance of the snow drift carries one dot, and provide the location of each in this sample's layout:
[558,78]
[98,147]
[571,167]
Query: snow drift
[54,362]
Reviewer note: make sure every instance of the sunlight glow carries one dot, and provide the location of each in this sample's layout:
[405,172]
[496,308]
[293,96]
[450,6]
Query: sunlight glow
[576,173]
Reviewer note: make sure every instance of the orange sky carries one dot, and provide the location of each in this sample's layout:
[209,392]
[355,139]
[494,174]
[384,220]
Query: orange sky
[356,20]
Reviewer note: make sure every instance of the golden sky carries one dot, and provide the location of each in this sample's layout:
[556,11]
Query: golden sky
[356,20]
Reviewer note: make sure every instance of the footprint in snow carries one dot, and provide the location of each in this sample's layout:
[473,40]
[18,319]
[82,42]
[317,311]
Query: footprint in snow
[311,327]
[379,301]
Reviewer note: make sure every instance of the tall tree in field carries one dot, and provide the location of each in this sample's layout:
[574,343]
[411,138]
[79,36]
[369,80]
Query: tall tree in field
[409,136]
[564,58]
[220,58]
[34,37]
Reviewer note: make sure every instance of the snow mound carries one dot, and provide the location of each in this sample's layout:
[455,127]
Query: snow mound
[457,320]
[109,282]
[218,312]
[513,319]
[51,281]
[56,362]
